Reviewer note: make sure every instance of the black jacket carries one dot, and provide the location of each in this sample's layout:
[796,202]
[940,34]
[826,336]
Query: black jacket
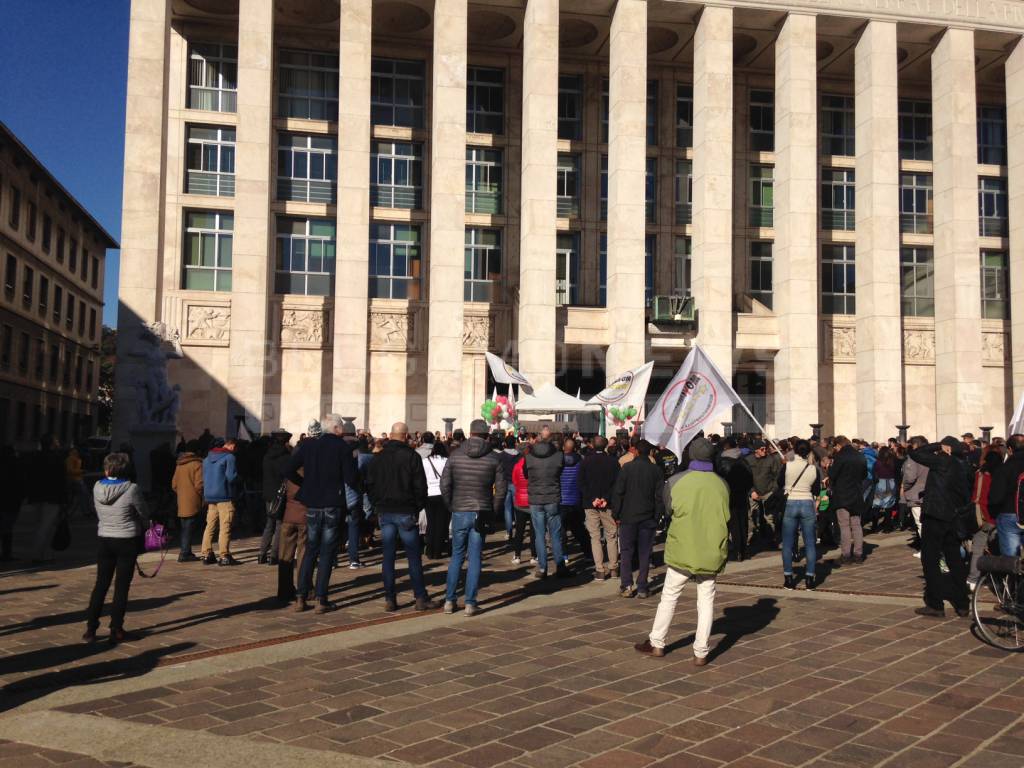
[43,478]
[275,464]
[328,464]
[508,463]
[846,478]
[396,481]
[736,473]
[472,480]
[543,469]
[637,495]
[1002,495]
[598,473]
[948,487]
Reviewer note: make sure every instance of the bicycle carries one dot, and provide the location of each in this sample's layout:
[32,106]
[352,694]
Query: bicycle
[998,602]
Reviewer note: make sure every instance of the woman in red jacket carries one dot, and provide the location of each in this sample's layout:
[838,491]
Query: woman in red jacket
[521,502]
[991,460]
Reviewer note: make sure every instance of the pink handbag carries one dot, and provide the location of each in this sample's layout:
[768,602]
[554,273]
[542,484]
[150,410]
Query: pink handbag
[157,538]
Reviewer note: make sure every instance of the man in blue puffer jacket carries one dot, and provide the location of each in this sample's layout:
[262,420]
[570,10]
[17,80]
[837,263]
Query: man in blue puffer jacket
[219,475]
[570,508]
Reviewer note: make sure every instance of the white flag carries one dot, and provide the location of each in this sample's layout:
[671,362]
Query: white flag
[629,388]
[697,393]
[1017,422]
[503,373]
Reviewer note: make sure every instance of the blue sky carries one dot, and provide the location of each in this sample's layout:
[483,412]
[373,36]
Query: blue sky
[62,91]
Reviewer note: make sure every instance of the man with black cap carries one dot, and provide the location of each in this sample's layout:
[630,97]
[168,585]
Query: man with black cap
[696,548]
[637,507]
[846,475]
[473,487]
[765,466]
[946,491]
[275,462]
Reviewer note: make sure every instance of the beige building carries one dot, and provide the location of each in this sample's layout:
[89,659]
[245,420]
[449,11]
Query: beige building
[341,207]
[51,309]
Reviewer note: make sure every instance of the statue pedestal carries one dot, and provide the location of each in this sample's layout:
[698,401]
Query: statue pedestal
[143,440]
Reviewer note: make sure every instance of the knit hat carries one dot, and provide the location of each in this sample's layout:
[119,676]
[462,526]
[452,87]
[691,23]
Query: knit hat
[701,449]
[314,429]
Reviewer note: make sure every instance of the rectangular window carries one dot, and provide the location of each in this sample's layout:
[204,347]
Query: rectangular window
[308,85]
[915,131]
[85,265]
[307,168]
[570,107]
[88,376]
[33,215]
[682,266]
[305,256]
[28,286]
[14,219]
[10,277]
[485,100]
[213,77]
[762,121]
[81,317]
[567,269]
[838,280]
[605,107]
[40,360]
[991,135]
[602,271]
[68,356]
[395,266]
[838,129]
[58,304]
[917,282]
[762,195]
[604,188]
[23,350]
[44,296]
[47,232]
[78,372]
[398,93]
[684,192]
[208,251]
[838,196]
[761,272]
[210,158]
[684,115]
[73,256]
[652,113]
[483,180]
[483,263]
[992,214]
[651,190]
[6,346]
[95,272]
[61,237]
[69,312]
[995,298]
[92,323]
[396,175]
[916,203]
[567,186]
[54,363]
[650,252]
[19,420]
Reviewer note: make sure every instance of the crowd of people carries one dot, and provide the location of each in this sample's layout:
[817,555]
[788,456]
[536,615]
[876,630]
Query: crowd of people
[608,500]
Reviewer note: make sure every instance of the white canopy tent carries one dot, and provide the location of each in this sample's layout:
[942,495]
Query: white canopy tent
[548,398]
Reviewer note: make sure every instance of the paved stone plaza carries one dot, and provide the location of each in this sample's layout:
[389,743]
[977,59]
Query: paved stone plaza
[543,677]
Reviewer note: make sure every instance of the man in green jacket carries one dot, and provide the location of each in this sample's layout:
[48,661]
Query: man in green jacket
[697,548]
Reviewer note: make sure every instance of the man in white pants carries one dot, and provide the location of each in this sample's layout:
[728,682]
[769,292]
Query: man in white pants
[697,548]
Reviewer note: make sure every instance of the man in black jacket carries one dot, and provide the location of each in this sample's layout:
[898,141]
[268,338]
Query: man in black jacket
[846,477]
[543,471]
[736,472]
[473,487]
[397,486]
[596,480]
[1002,498]
[328,465]
[946,491]
[275,462]
[637,506]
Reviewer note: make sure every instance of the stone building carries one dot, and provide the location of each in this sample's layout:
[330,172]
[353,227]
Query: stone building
[343,206]
[51,309]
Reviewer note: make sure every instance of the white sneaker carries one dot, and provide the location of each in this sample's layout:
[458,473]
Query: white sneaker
[533,561]
[449,607]
[516,560]
[354,566]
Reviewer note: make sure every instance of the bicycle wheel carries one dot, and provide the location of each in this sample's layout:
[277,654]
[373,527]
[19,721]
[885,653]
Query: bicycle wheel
[998,612]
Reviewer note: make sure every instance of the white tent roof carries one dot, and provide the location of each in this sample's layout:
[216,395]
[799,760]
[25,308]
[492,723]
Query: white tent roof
[548,398]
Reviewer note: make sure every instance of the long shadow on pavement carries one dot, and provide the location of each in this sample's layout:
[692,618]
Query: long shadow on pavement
[737,622]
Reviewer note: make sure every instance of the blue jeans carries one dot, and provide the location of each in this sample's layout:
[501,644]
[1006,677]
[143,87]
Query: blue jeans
[355,518]
[393,526]
[321,539]
[799,512]
[1009,534]
[545,517]
[510,509]
[186,534]
[465,538]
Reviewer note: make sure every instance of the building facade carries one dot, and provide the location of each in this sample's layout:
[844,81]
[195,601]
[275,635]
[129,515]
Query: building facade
[341,207]
[51,309]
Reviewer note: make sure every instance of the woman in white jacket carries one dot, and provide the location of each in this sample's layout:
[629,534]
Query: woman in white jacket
[437,510]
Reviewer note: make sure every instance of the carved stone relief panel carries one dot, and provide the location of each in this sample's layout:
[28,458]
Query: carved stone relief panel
[477,332]
[841,343]
[918,346]
[993,348]
[302,327]
[207,324]
[393,331]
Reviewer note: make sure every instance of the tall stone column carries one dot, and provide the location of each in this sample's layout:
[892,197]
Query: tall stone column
[537,206]
[351,287]
[250,266]
[712,184]
[1015,187]
[959,398]
[879,334]
[142,209]
[447,212]
[627,147]
[796,225]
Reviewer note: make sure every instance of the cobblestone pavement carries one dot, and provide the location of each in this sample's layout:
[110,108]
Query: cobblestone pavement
[839,678]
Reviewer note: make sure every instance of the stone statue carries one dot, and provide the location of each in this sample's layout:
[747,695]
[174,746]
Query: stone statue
[156,402]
